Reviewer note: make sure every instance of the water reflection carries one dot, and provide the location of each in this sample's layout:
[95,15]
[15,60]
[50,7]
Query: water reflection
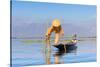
[62,50]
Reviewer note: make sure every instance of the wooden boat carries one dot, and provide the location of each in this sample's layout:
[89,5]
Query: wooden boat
[67,47]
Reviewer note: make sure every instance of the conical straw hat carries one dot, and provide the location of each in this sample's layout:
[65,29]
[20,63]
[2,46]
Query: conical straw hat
[56,23]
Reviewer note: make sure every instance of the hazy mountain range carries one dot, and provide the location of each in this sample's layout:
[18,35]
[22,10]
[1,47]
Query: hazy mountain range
[29,28]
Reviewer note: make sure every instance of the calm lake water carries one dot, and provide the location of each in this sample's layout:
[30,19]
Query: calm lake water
[30,54]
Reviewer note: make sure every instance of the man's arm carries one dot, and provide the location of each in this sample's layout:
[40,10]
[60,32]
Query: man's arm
[49,31]
[47,36]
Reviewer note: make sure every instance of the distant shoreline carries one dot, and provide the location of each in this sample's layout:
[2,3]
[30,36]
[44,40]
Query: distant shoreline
[44,37]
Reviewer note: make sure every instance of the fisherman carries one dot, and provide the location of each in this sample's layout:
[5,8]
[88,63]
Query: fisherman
[57,29]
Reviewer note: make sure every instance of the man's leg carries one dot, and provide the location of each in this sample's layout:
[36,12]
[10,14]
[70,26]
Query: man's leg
[57,37]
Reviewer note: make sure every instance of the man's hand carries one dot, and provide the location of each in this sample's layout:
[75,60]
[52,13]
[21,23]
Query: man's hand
[47,37]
